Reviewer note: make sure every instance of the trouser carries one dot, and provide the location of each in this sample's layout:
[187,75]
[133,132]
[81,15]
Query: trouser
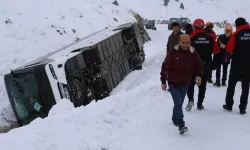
[202,87]
[178,95]
[224,74]
[210,75]
[234,77]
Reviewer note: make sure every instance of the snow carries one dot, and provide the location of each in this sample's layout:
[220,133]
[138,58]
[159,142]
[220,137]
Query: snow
[210,10]
[33,31]
[64,107]
[137,115]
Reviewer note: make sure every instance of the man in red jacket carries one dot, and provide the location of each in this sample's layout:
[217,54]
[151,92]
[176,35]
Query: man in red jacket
[179,66]
[205,45]
[239,46]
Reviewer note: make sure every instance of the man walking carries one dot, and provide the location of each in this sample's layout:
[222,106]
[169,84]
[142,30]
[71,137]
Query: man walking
[239,46]
[174,37]
[223,58]
[205,45]
[179,66]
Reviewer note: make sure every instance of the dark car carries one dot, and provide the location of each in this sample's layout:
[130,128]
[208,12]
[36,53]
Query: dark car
[184,22]
[171,20]
[150,24]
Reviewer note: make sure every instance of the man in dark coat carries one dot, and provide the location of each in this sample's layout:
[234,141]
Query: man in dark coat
[174,37]
[239,46]
[205,45]
[223,58]
[179,66]
[189,29]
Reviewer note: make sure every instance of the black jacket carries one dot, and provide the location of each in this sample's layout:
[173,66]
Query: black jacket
[239,46]
[223,57]
[188,29]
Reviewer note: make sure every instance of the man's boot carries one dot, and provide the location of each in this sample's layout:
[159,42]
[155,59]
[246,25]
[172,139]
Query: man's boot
[200,107]
[223,83]
[210,80]
[217,84]
[189,105]
[227,108]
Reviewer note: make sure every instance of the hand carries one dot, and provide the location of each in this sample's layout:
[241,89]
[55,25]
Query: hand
[198,81]
[164,87]
[223,46]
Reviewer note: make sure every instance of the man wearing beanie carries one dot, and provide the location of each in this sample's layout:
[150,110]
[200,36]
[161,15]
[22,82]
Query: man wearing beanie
[239,47]
[174,37]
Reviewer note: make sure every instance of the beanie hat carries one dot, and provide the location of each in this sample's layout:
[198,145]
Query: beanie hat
[240,21]
[174,24]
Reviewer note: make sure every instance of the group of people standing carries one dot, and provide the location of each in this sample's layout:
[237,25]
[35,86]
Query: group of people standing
[191,57]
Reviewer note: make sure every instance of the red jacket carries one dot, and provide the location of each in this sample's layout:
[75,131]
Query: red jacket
[213,34]
[231,43]
[180,65]
[216,48]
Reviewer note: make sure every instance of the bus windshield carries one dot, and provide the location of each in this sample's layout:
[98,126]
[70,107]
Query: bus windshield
[24,96]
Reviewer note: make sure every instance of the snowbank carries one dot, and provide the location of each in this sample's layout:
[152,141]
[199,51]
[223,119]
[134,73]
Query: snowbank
[30,29]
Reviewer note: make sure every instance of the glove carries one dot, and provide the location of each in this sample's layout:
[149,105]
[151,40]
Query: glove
[223,46]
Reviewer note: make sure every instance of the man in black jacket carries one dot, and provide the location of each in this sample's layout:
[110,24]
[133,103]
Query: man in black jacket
[239,46]
[205,45]
[173,39]
[223,58]
[189,28]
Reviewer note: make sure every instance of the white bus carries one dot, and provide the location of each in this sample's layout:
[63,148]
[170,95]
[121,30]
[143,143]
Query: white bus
[85,70]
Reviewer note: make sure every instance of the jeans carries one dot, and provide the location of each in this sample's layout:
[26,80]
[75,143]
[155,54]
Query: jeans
[178,95]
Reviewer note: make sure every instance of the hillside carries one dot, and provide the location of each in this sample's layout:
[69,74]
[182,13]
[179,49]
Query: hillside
[30,29]
[212,10]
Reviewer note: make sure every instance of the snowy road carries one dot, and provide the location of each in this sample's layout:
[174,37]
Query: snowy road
[137,117]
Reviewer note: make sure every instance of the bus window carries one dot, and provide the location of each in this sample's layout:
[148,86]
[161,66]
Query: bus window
[116,41]
[100,51]
[112,43]
[108,47]
[105,50]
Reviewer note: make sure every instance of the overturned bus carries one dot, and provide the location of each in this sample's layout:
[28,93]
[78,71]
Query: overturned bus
[85,70]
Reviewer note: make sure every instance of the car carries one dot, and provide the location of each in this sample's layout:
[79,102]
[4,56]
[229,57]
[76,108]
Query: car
[150,24]
[171,20]
[183,22]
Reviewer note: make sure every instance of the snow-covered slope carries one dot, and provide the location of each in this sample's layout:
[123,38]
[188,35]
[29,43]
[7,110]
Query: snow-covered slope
[136,117]
[29,29]
[211,10]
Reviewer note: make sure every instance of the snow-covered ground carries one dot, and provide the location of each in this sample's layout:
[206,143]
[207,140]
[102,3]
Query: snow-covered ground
[210,10]
[136,117]
[30,29]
